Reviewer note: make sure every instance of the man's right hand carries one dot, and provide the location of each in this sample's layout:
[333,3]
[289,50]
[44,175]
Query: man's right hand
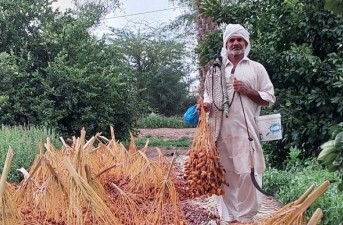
[206,106]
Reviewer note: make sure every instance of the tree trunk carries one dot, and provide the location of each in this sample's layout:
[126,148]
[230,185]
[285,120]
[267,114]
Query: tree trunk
[203,25]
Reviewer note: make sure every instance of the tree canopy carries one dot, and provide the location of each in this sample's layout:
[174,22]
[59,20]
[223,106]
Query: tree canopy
[55,73]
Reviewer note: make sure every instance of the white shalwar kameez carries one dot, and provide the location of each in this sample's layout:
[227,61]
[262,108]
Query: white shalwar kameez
[241,200]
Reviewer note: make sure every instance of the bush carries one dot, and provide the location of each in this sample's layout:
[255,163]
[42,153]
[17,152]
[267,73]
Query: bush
[158,121]
[290,184]
[182,142]
[24,140]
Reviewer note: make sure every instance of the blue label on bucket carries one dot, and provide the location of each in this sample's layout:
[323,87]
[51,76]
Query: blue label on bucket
[274,128]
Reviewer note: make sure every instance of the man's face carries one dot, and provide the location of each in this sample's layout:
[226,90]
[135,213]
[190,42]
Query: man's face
[236,46]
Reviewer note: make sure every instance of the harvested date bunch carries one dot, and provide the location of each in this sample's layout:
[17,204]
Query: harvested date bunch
[203,172]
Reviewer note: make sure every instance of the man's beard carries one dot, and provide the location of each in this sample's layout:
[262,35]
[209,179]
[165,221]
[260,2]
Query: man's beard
[236,51]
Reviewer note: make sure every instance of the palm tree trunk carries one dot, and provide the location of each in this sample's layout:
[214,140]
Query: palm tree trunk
[203,25]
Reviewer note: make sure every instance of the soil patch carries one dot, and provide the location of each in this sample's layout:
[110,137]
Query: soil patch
[167,133]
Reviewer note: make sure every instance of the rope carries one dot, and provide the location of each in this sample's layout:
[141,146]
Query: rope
[222,83]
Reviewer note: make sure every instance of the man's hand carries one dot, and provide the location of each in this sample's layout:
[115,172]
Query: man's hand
[240,87]
[206,107]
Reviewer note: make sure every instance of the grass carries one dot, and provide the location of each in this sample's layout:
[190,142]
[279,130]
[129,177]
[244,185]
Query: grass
[183,142]
[288,184]
[24,140]
[158,121]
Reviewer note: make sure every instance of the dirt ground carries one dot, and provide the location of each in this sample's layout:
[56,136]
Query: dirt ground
[167,133]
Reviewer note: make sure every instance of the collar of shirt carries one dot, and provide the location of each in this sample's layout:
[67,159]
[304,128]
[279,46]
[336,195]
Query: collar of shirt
[228,62]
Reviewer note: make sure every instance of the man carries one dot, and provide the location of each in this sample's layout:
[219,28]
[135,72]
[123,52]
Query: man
[248,87]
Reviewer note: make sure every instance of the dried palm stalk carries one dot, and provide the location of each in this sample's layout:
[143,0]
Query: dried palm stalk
[23,195]
[53,159]
[316,217]
[293,213]
[32,194]
[162,159]
[113,159]
[131,206]
[52,190]
[145,174]
[84,157]
[95,183]
[119,163]
[99,158]
[85,205]
[117,150]
[132,146]
[109,158]
[203,171]
[9,213]
[164,163]
[166,207]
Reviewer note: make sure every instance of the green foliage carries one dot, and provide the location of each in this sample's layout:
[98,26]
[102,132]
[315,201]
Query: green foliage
[24,140]
[290,184]
[159,121]
[210,47]
[300,44]
[159,69]
[55,74]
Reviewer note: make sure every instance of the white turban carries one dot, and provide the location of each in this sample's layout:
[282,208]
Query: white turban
[235,30]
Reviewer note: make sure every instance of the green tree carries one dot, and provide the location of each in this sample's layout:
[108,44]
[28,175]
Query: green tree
[57,74]
[159,65]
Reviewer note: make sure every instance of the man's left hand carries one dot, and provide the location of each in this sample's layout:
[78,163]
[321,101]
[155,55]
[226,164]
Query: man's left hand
[240,87]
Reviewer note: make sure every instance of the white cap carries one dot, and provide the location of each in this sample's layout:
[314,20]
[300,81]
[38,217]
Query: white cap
[235,30]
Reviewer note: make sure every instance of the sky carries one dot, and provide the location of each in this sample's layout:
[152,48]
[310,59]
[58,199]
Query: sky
[152,12]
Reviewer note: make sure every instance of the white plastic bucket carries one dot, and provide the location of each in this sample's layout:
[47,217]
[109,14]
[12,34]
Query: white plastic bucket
[269,127]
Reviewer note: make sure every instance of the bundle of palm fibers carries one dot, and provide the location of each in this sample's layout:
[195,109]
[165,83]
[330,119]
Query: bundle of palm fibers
[95,183]
[9,210]
[23,195]
[203,171]
[161,159]
[9,214]
[55,190]
[85,205]
[83,158]
[166,207]
[164,163]
[117,166]
[52,183]
[35,194]
[132,145]
[100,157]
[53,163]
[294,212]
[144,174]
[118,170]
[108,157]
[131,206]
